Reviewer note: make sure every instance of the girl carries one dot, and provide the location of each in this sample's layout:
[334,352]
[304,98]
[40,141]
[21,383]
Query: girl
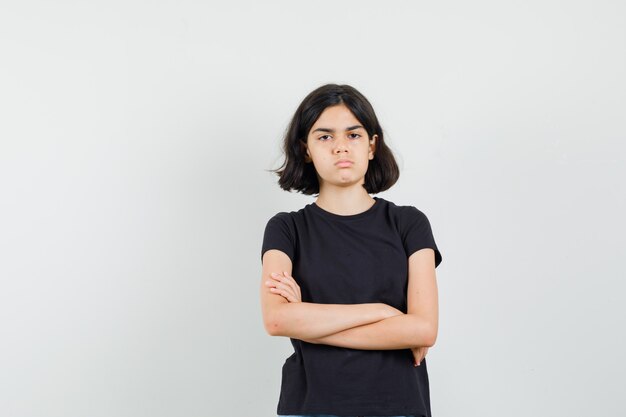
[349,278]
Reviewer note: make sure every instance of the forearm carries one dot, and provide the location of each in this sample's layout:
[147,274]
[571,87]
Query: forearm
[312,320]
[399,332]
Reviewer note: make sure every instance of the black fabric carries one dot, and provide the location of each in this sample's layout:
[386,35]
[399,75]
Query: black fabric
[361,258]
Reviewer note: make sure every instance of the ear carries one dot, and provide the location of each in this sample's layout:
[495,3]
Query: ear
[373,141]
[307,156]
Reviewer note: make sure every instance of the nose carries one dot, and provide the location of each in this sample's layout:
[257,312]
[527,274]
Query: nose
[341,145]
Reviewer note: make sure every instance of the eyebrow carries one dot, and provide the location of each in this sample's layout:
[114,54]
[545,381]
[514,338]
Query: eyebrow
[324,129]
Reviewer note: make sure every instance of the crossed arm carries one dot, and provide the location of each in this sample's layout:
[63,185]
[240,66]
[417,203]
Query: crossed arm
[404,331]
[360,326]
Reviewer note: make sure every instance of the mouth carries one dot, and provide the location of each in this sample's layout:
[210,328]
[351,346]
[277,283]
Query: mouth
[343,163]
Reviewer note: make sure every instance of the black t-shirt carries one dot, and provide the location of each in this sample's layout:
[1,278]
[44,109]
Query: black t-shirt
[353,259]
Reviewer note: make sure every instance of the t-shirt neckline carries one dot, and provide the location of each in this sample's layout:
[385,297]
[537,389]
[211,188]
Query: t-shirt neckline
[363,214]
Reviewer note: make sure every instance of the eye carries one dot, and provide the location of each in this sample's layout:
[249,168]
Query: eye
[323,136]
[354,135]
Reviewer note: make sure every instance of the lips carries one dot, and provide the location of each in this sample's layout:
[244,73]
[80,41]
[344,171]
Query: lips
[344,163]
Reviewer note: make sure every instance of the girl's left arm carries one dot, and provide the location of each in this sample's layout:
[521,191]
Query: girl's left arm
[417,328]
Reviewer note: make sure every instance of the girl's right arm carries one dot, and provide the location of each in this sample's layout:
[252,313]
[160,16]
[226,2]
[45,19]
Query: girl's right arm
[303,320]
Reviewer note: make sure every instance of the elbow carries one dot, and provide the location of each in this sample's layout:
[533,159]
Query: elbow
[426,335]
[272,328]
[425,340]
[430,340]
[431,336]
[272,325]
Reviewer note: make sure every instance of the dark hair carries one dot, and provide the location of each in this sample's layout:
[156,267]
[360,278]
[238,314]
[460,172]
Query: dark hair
[295,174]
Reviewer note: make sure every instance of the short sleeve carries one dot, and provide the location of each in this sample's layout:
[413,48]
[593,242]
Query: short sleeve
[417,233]
[279,234]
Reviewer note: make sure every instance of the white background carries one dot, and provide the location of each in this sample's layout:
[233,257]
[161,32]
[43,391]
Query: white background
[135,139]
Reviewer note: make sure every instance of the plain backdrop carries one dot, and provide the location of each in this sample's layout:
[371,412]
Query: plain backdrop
[135,143]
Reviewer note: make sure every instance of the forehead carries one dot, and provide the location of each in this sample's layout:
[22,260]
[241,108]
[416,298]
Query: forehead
[336,116]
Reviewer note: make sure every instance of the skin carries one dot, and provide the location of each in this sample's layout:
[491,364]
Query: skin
[285,285]
[337,134]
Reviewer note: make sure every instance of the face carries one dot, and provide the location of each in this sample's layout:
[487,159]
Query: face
[336,135]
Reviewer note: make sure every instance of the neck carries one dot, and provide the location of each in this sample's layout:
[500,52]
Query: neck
[344,201]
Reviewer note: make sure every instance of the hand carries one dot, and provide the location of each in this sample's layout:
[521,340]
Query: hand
[419,353]
[284,284]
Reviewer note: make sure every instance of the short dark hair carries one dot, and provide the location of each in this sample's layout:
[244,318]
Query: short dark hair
[295,174]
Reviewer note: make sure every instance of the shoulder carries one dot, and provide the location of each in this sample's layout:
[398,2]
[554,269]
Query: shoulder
[415,230]
[288,222]
[285,218]
[406,215]
[280,217]
[281,222]
[280,233]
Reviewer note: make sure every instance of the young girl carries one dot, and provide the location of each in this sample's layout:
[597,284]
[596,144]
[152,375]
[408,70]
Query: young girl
[349,278]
